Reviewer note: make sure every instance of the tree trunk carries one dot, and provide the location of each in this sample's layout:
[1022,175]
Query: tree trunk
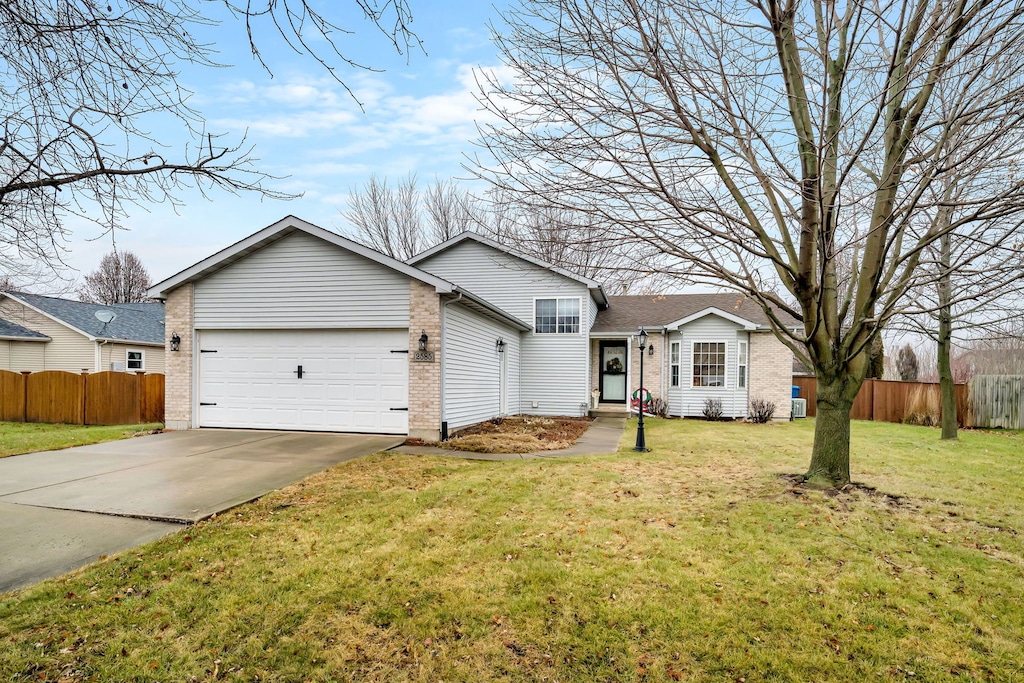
[830,456]
[945,340]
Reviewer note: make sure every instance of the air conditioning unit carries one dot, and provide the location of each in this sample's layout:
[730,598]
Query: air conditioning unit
[799,407]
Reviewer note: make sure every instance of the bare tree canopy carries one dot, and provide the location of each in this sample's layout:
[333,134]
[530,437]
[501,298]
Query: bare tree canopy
[120,279]
[789,150]
[81,82]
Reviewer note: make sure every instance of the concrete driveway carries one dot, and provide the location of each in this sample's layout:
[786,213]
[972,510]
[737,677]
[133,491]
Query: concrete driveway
[62,509]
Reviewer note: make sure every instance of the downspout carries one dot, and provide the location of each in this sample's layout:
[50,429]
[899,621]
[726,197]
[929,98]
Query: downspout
[444,360]
[98,359]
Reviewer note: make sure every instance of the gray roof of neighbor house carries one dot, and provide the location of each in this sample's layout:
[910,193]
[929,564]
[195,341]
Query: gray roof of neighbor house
[627,313]
[141,322]
[9,330]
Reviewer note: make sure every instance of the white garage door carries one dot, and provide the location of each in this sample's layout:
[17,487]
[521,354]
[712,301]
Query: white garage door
[351,381]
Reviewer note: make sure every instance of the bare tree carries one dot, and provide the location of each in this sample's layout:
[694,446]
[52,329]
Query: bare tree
[83,79]
[780,148]
[120,279]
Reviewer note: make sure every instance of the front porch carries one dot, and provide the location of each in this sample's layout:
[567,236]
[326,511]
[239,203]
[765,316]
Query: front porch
[615,372]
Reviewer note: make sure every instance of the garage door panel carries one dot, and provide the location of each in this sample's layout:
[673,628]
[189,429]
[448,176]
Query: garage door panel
[351,381]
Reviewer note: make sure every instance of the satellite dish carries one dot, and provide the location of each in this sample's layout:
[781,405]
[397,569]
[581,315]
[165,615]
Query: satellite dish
[105,316]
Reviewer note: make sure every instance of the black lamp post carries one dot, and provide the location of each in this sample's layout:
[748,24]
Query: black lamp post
[641,442]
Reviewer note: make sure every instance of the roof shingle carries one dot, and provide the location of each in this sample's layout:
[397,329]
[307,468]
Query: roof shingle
[627,313]
[9,329]
[141,322]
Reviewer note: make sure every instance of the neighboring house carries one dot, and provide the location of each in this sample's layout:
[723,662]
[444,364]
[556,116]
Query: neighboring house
[296,327]
[48,333]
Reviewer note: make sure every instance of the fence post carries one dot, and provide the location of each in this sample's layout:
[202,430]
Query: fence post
[24,388]
[85,393]
[138,395]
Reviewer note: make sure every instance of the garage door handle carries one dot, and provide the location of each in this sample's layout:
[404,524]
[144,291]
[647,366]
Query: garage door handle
[400,409]
[207,404]
[299,372]
[399,350]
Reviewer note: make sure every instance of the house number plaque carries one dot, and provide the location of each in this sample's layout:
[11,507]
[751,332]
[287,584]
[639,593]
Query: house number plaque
[423,357]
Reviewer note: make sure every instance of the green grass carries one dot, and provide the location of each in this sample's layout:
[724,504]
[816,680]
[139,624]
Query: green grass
[695,562]
[27,437]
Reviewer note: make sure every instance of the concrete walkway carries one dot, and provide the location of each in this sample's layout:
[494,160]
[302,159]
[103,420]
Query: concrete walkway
[601,438]
[63,509]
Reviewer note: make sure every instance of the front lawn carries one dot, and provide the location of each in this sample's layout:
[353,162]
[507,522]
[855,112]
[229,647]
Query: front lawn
[29,437]
[696,562]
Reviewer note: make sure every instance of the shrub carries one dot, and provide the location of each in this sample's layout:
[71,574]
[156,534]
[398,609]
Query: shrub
[659,407]
[761,411]
[712,409]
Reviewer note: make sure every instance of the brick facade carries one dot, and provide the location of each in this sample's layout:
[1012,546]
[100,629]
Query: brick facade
[771,372]
[178,317]
[424,378]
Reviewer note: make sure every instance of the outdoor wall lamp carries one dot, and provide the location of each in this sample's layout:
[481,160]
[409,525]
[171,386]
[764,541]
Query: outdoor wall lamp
[423,340]
[500,345]
[175,341]
[650,350]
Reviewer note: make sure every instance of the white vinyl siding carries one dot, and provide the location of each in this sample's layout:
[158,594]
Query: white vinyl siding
[68,350]
[118,353]
[18,355]
[301,281]
[554,367]
[473,371]
[688,400]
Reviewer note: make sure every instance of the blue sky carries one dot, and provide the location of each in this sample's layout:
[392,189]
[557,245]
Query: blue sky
[420,116]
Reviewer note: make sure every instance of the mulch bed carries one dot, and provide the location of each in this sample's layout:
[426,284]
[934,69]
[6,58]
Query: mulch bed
[518,434]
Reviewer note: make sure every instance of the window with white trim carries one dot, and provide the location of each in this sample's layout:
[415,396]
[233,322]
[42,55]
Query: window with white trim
[557,316]
[674,372]
[741,365]
[709,364]
[135,359]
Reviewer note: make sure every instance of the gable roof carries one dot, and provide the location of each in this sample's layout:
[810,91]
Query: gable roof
[595,287]
[627,313]
[15,332]
[289,225]
[139,322]
[275,232]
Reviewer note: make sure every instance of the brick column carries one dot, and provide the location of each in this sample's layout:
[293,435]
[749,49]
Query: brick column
[424,377]
[771,372]
[652,364]
[178,317]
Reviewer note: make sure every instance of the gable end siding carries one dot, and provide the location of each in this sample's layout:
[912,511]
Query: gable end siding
[687,400]
[68,350]
[553,367]
[300,282]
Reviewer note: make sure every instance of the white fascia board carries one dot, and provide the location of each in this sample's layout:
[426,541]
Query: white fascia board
[711,310]
[659,329]
[51,317]
[275,231]
[25,339]
[131,342]
[595,287]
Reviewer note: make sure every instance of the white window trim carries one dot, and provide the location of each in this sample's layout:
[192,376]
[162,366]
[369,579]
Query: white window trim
[127,367]
[742,352]
[533,326]
[725,369]
[678,347]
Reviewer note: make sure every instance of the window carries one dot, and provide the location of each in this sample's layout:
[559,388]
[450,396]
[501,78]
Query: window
[674,363]
[741,366]
[557,316]
[136,360]
[709,364]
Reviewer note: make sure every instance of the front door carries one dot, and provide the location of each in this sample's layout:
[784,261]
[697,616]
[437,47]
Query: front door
[613,371]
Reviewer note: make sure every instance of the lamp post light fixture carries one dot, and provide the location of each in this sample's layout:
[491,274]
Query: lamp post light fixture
[175,341]
[641,442]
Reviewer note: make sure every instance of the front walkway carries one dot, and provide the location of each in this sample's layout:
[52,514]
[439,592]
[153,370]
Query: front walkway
[601,438]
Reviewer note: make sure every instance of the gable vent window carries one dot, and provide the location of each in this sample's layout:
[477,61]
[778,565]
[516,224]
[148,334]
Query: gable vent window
[709,364]
[557,316]
[135,360]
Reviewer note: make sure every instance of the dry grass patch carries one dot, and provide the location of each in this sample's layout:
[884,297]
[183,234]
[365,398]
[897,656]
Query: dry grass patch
[696,562]
[520,434]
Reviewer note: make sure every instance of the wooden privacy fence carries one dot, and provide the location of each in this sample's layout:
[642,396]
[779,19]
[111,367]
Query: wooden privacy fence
[888,401]
[997,401]
[105,398]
